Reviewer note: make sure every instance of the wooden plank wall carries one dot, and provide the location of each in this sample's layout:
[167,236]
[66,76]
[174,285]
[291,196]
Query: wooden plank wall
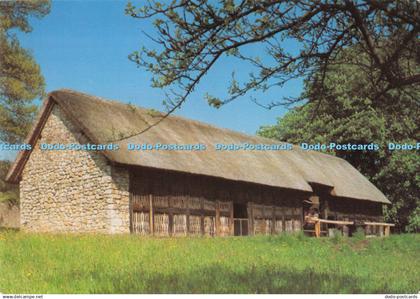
[273,219]
[165,203]
[354,210]
[347,209]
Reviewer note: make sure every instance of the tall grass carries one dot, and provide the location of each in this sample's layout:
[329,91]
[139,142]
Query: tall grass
[42,263]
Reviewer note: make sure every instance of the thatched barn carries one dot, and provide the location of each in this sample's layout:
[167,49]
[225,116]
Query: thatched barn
[65,186]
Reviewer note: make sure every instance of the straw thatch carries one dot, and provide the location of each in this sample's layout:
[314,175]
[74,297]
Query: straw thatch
[105,121]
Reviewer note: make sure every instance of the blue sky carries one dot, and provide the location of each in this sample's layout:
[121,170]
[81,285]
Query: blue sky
[83,45]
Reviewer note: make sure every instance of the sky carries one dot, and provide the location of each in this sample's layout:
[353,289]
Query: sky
[84,45]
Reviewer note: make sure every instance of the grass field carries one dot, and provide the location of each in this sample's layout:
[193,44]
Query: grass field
[35,263]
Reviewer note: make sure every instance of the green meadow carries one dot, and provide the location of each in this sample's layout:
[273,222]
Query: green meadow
[44,263]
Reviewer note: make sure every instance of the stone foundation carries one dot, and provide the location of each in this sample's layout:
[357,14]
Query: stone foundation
[69,190]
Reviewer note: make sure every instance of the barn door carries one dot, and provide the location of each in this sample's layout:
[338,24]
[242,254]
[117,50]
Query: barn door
[240,219]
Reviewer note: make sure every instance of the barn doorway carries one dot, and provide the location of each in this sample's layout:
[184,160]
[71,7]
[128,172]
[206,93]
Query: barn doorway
[240,219]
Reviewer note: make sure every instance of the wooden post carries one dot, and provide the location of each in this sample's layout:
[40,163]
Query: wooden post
[231,221]
[317,229]
[151,215]
[302,218]
[130,207]
[171,218]
[202,217]
[325,216]
[266,231]
[188,221]
[283,219]
[387,229]
[250,219]
[273,221]
[217,220]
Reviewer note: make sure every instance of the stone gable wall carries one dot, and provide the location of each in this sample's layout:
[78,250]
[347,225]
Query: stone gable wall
[70,190]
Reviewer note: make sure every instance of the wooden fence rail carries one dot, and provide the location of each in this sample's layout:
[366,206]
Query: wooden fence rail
[384,228]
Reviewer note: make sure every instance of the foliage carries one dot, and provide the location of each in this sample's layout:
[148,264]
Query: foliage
[351,118]
[191,36]
[8,192]
[10,197]
[400,180]
[414,220]
[21,80]
[337,236]
[44,264]
[359,234]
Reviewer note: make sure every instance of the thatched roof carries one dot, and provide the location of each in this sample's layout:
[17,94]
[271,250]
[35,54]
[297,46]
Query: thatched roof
[105,121]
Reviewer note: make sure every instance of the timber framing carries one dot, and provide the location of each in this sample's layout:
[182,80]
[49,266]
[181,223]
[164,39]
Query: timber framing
[204,202]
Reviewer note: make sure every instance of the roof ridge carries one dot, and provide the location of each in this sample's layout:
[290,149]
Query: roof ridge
[197,122]
[107,100]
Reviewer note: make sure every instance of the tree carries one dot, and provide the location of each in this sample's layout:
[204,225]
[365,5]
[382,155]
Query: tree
[20,77]
[359,120]
[192,35]
[8,193]
[20,80]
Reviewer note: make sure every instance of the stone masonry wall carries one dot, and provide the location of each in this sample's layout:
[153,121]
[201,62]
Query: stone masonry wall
[70,190]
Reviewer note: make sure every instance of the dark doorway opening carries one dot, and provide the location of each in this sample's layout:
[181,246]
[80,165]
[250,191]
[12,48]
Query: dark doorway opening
[240,219]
